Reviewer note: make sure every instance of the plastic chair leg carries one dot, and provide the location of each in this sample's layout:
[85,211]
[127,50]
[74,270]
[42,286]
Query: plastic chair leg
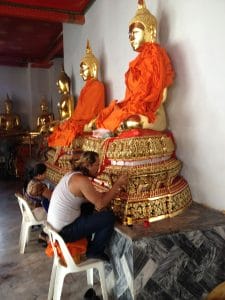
[90,277]
[59,280]
[28,233]
[103,282]
[21,240]
[23,237]
[52,282]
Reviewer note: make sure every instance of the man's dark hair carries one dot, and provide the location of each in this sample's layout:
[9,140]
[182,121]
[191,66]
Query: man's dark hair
[86,158]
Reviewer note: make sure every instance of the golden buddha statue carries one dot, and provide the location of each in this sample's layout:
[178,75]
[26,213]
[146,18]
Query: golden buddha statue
[155,190]
[147,79]
[142,29]
[66,103]
[9,121]
[45,119]
[89,65]
[90,102]
[142,148]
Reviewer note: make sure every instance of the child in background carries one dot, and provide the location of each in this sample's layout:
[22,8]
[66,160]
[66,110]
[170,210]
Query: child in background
[38,194]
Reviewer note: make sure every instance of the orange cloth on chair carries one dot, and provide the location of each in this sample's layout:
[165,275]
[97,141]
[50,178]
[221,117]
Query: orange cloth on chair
[90,102]
[148,74]
[75,248]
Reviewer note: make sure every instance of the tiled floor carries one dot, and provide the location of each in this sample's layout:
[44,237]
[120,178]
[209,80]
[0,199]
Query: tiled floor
[26,276]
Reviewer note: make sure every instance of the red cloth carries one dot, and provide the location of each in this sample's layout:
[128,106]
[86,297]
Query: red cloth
[138,132]
[148,74]
[90,102]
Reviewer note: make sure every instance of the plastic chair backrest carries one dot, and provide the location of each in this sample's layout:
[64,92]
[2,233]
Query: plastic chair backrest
[25,208]
[55,240]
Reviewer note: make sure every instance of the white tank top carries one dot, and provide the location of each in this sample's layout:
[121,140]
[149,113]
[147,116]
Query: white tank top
[64,207]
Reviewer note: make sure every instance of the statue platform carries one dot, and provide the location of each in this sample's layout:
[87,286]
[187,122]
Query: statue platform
[176,258]
[155,189]
[179,257]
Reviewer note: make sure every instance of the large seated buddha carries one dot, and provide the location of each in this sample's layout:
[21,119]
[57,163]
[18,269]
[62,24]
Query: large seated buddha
[143,147]
[138,141]
[90,102]
[146,80]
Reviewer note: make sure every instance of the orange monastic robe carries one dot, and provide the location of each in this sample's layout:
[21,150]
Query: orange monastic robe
[148,74]
[90,102]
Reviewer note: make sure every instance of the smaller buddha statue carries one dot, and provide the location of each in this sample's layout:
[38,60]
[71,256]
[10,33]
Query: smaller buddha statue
[66,103]
[46,118]
[90,102]
[9,121]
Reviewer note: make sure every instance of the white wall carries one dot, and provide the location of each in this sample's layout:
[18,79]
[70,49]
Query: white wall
[26,87]
[53,94]
[196,108]
[193,34]
[107,30]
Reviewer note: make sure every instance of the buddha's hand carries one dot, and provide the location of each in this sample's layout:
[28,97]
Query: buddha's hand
[164,96]
[133,121]
[90,126]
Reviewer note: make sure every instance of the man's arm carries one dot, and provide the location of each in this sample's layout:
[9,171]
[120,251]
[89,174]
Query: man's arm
[81,186]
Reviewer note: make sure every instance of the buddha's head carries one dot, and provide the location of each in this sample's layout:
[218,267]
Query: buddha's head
[89,65]
[44,105]
[63,83]
[143,26]
[8,105]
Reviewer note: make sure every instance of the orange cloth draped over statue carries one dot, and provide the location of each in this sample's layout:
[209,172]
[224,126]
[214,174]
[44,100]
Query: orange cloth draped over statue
[90,102]
[148,74]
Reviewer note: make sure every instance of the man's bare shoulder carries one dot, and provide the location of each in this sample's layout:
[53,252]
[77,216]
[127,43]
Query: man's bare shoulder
[79,183]
[79,178]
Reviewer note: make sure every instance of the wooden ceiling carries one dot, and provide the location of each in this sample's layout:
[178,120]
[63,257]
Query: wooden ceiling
[31,30]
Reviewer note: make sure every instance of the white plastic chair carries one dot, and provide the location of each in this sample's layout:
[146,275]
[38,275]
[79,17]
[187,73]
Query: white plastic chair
[61,268]
[28,220]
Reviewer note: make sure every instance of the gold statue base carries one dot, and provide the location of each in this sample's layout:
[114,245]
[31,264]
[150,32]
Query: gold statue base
[55,173]
[155,189]
[153,206]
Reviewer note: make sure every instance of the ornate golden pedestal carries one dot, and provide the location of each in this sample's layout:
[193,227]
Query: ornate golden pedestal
[58,159]
[56,169]
[155,189]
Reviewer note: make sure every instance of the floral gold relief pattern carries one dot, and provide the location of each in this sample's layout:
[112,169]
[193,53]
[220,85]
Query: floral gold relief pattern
[155,189]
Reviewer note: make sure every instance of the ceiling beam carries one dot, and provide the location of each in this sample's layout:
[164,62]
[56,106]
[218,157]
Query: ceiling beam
[40,13]
[12,61]
[46,61]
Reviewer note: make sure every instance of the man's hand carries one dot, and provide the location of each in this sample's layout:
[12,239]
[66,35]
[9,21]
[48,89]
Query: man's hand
[121,182]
